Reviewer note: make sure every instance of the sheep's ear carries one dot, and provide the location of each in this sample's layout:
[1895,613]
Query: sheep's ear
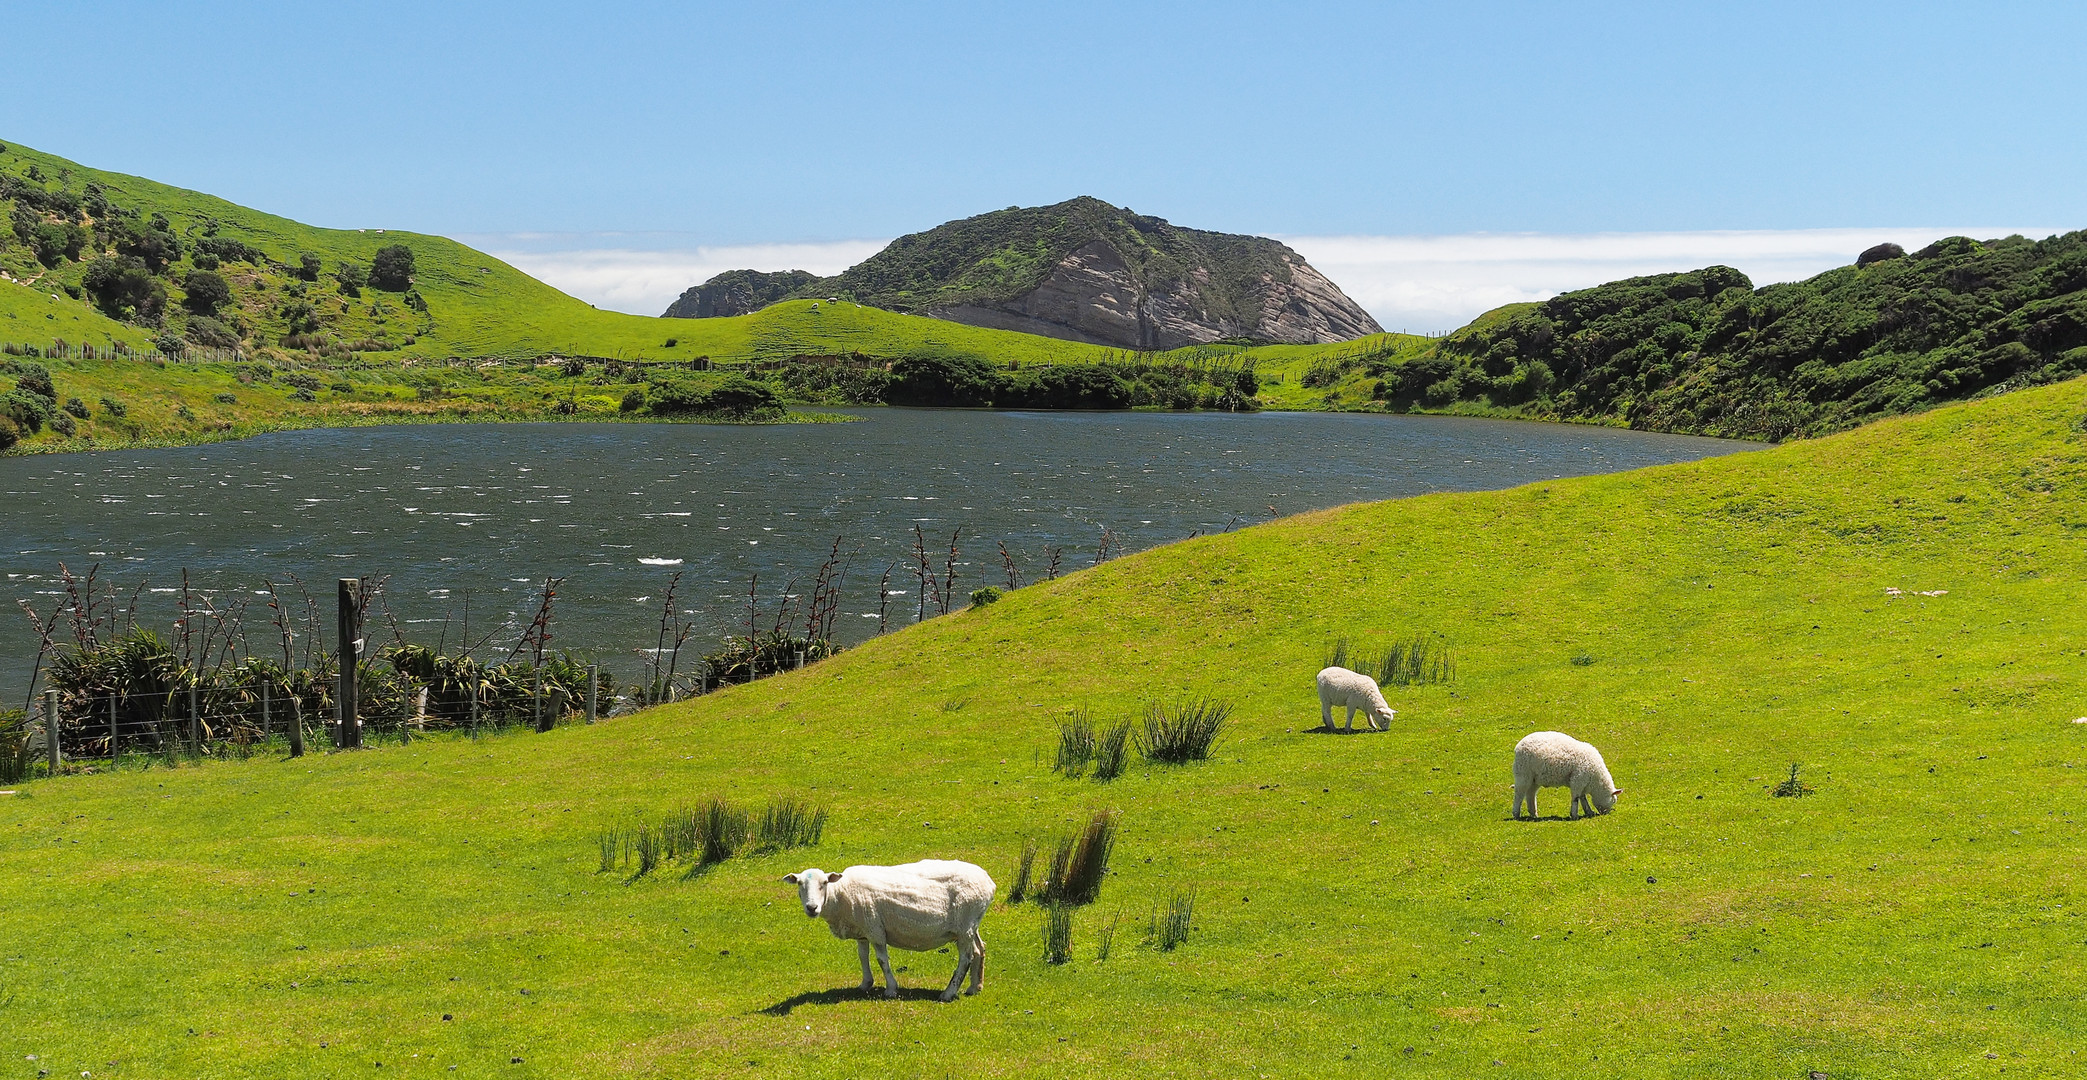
[831,878]
[790,878]
[1618,791]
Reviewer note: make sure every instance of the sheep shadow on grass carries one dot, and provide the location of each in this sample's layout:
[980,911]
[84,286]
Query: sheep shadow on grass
[1320,729]
[848,993]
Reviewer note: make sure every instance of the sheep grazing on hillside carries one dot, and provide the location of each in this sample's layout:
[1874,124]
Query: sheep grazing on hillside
[919,906]
[1354,690]
[1551,759]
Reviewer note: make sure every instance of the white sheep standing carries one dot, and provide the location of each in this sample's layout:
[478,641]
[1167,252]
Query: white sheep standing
[919,906]
[1353,689]
[1554,759]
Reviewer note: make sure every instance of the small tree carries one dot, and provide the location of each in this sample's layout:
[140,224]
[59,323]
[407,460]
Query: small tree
[392,270]
[308,267]
[207,291]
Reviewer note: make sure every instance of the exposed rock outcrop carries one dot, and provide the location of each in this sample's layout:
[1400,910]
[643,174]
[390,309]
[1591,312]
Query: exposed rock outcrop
[1088,271]
[737,292]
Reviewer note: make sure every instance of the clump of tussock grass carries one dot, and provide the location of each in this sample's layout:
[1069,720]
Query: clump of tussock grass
[1337,653]
[1169,928]
[1111,751]
[725,832]
[1582,659]
[1022,875]
[787,823]
[1419,662]
[955,704]
[1057,933]
[1792,787]
[709,835]
[1080,861]
[1106,939]
[1075,744]
[647,846]
[1184,732]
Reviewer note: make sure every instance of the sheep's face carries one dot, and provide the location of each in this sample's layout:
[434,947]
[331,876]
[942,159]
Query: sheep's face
[1603,801]
[811,889]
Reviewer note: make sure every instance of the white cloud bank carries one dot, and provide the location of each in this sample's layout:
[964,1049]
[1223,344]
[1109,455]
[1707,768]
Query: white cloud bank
[1414,283]
[644,280]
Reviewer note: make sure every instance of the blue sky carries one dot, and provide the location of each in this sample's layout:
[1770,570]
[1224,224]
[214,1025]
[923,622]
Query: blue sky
[676,127]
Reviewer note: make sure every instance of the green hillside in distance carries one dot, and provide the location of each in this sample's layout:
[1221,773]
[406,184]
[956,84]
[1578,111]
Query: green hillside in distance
[1082,270]
[1892,609]
[1707,353]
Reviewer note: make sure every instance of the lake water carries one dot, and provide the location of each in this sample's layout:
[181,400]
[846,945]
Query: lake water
[488,510]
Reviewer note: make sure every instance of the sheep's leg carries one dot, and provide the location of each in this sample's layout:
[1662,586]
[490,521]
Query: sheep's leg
[1351,718]
[1326,714]
[978,961]
[956,979]
[891,982]
[862,950]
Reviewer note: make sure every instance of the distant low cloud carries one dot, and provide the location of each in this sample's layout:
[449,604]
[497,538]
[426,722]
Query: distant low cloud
[1414,283]
[1438,283]
[642,276]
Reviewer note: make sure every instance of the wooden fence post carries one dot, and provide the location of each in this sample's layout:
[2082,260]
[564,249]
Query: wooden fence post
[474,706]
[296,727]
[348,622]
[544,720]
[112,726]
[593,678]
[50,730]
[267,727]
[195,721]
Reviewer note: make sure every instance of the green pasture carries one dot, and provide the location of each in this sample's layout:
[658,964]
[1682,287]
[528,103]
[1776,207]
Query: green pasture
[1366,907]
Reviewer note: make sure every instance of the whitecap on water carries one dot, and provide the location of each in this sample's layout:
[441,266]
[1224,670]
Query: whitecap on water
[660,562]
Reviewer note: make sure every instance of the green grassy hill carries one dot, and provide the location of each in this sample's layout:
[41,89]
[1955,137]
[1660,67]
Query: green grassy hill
[386,356]
[1894,608]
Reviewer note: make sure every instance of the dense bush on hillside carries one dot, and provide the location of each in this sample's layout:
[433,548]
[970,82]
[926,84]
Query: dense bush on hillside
[123,288]
[1705,352]
[207,291]
[392,269]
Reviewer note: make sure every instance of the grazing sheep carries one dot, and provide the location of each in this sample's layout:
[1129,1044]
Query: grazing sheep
[920,906]
[1551,759]
[1353,689]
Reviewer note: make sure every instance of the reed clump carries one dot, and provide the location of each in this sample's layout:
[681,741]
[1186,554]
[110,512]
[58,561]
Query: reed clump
[707,835]
[1080,861]
[1169,925]
[1075,744]
[1112,751]
[1183,732]
[1057,933]
[1022,875]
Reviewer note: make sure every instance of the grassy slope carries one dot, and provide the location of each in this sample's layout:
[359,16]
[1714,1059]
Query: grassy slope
[1361,896]
[478,307]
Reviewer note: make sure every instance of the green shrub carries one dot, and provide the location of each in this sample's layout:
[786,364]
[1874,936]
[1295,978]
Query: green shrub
[114,407]
[982,597]
[124,289]
[392,269]
[207,291]
[208,331]
[28,411]
[632,401]
[307,267]
[64,424]
[351,277]
[1792,787]
[735,398]
[225,399]
[76,407]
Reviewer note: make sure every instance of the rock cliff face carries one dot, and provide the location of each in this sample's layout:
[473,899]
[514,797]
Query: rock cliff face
[737,292]
[1088,271]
